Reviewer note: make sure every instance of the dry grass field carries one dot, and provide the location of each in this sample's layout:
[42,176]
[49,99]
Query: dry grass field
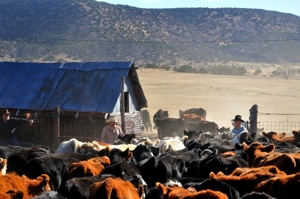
[222,97]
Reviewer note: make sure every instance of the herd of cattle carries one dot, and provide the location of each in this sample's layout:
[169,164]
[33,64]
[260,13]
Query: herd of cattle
[199,164]
[191,119]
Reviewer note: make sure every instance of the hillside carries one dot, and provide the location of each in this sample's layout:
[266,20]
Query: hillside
[87,30]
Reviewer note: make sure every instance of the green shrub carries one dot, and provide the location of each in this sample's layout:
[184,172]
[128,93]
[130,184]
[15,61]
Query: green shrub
[166,67]
[276,72]
[185,69]
[149,65]
[257,71]
[202,70]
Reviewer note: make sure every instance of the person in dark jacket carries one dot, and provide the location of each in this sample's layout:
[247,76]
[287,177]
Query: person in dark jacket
[7,128]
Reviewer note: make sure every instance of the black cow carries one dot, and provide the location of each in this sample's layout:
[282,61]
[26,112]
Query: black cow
[155,170]
[212,163]
[224,129]
[54,167]
[160,114]
[116,155]
[170,127]
[79,187]
[16,161]
[192,144]
[146,120]
[6,151]
[192,134]
[205,126]
[121,169]
[142,152]
[215,185]
[180,161]
[126,139]
[197,111]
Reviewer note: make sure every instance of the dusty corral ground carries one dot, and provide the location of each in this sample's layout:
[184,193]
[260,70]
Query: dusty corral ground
[222,97]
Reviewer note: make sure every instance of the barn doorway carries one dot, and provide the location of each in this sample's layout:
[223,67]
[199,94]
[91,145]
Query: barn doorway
[126,102]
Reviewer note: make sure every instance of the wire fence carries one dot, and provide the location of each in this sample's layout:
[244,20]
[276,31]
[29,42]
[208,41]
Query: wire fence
[279,127]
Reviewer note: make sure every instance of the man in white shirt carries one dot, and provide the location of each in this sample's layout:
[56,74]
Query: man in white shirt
[111,132]
[238,128]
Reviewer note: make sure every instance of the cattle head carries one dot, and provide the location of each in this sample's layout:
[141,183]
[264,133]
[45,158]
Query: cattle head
[192,134]
[161,114]
[296,133]
[206,136]
[223,129]
[116,155]
[257,149]
[170,192]
[256,146]
[35,187]
[141,185]
[227,135]
[127,138]
[208,152]
[142,152]
[274,136]
[104,160]
[45,179]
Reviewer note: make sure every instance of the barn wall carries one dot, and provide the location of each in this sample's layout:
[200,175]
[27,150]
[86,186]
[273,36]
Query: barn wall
[133,103]
[133,123]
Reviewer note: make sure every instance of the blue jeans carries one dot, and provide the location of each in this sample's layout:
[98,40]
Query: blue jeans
[10,141]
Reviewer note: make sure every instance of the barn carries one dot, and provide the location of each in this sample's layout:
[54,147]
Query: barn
[71,100]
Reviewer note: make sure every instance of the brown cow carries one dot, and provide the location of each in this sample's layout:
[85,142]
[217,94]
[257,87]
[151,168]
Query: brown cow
[246,170]
[205,126]
[191,118]
[281,187]
[173,192]
[274,136]
[189,193]
[228,154]
[206,194]
[29,187]
[245,179]
[293,139]
[91,167]
[282,137]
[259,155]
[113,188]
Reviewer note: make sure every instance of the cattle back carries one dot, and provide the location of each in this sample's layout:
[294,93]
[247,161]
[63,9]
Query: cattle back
[170,127]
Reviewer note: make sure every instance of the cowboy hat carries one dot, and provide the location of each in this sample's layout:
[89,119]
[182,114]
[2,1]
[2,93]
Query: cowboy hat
[238,118]
[5,111]
[111,119]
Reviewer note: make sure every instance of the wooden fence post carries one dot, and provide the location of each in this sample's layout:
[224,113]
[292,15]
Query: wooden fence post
[56,127]
[253,118]
[122,107]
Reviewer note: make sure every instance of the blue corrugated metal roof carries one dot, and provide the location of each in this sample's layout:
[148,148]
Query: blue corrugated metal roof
[84,87]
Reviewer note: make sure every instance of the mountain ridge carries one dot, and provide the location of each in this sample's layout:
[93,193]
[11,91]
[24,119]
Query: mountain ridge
[88,30]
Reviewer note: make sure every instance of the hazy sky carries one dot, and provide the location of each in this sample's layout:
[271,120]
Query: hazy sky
[287,6]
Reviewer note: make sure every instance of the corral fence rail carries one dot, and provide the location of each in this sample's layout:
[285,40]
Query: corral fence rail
[279,127]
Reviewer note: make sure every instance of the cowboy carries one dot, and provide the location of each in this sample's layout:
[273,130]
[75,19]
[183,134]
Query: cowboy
[237,123]
[7,128]
[111,132]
